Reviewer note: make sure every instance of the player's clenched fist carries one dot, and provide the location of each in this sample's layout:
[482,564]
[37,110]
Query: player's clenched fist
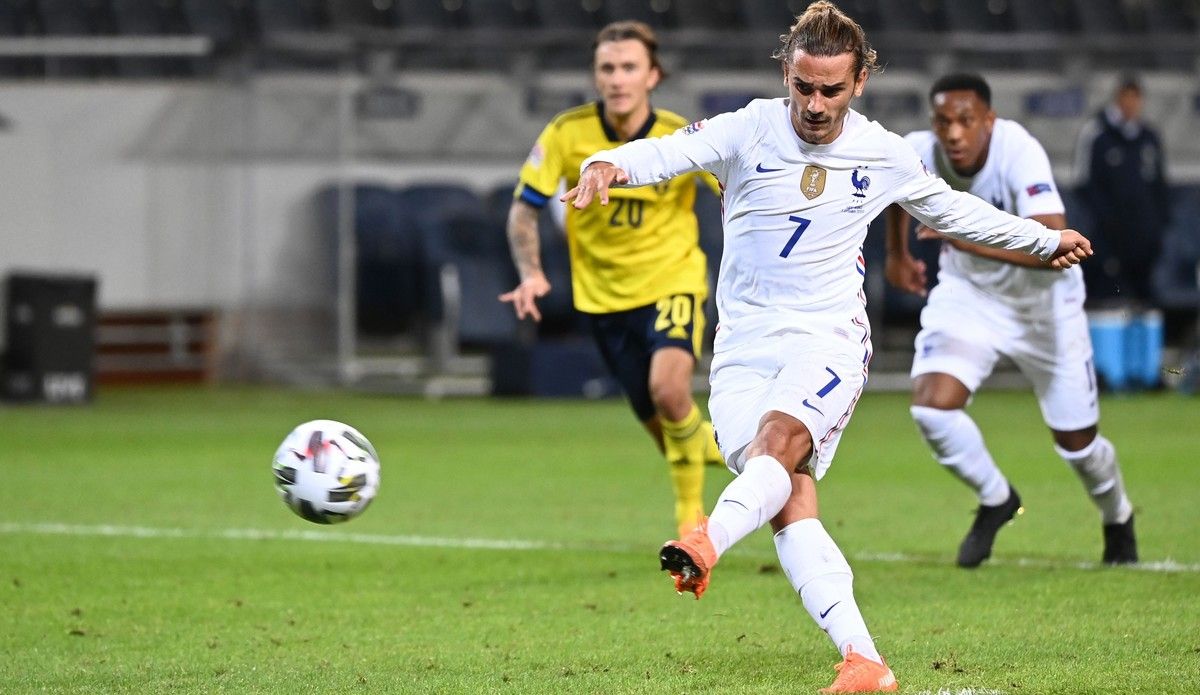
[1073,247]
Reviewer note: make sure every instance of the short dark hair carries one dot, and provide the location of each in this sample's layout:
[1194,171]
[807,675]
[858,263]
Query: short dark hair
[637,31]
[1129,82]
[962,81]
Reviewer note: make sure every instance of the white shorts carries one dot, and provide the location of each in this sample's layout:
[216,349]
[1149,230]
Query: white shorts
[964,332]
[815,380]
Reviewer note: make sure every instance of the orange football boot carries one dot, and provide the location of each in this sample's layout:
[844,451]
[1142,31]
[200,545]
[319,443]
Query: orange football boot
[690,559]
[858,674]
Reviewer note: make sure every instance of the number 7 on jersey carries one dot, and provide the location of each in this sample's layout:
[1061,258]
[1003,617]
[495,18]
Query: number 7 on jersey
[801,225]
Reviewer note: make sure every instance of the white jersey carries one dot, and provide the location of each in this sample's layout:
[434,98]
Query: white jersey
[1015,178]
[796,214]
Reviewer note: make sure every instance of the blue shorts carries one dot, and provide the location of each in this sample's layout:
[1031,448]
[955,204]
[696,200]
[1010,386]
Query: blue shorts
[628,339]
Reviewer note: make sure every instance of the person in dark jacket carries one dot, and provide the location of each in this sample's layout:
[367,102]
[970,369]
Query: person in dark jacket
[1120,160]
[1122,186]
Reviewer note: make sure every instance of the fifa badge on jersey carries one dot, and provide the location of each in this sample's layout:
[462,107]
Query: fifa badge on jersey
[812,182]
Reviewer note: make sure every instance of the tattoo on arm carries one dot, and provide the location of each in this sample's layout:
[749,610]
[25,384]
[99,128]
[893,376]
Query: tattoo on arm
[523,238]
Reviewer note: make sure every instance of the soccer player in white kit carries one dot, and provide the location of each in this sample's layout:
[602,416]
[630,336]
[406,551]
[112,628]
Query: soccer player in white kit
[803,178]
[990,303]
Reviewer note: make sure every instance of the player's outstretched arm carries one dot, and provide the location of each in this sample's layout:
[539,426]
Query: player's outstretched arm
[901,269]
[523,243]
[594,182]
[1073,248]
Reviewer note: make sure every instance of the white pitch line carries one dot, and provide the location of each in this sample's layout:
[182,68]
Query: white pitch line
[314,535]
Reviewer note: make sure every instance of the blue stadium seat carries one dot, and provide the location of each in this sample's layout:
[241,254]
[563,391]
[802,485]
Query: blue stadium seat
[388,264]
[423,207]
[466,261]
[1176,281]
[477,251]
[423,14]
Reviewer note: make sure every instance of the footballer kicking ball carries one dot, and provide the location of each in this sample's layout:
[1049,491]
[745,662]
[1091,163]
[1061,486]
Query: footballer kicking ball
[326,472]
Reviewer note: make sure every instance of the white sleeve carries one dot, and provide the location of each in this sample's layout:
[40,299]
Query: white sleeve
[964,216]
[707,145]
[1031,181]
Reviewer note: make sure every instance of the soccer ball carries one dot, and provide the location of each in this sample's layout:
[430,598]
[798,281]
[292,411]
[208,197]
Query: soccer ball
[326,472]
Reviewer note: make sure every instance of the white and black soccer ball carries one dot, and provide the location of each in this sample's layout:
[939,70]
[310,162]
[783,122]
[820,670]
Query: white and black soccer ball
[326,472]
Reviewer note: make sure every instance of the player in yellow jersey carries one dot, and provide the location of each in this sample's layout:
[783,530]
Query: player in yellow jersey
[637,270]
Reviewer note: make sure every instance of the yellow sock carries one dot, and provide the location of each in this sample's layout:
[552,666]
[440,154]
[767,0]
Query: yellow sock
[685,446]
[712,452]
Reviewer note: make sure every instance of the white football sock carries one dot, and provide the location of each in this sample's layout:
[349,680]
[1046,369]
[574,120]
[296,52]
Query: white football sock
[749,501]
[821,576]
[958,445]
[1096,465]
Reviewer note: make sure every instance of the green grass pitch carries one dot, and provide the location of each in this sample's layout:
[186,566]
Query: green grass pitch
[512,549]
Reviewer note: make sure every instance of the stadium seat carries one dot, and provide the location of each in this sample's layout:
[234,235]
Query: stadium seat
[1175,19]
[770,15]
[288,15]
[75,18]
[388,263]
[973,17]
[16,19]
[421,14]
[574,15]
[422,209]
[1038,16]
[1170,16]
[148,18]
[657,15]
[908,15]
[356,14]
[1102,17]
[712,15]
[219,20]
[465,258]
[499,14]
[1177,274]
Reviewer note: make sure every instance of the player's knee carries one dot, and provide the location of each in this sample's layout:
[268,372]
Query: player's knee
[672,397]
[937,425]
[1095,464]
[785,438]
[1075,440]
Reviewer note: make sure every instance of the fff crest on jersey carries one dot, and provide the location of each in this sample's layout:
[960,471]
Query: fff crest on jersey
[812,182]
